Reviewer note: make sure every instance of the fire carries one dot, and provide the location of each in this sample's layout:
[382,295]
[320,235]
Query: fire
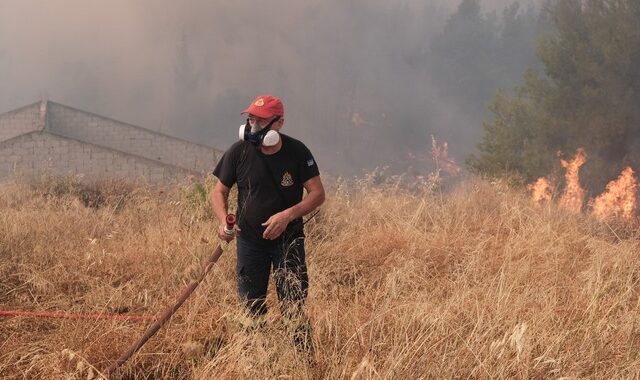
[573,196]
[541,191]
[440,155]
[619,199]
[358,120]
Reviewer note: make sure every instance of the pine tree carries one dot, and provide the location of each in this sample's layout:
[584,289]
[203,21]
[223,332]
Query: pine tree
[588,96]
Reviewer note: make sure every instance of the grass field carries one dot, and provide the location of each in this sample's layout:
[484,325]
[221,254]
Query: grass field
[473,282]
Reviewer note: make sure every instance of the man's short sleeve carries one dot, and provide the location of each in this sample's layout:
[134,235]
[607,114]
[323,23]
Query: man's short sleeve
[309,167]
[226,168]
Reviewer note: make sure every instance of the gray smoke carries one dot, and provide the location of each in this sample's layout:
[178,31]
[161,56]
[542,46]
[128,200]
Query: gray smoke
[355,75]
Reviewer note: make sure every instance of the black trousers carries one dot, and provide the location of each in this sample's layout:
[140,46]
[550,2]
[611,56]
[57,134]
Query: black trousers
[255,263]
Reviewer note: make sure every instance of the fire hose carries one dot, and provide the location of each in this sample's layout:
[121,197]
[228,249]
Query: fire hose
[182,297]
[65,315]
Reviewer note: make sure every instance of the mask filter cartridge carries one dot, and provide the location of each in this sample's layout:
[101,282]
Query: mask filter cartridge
[265,136]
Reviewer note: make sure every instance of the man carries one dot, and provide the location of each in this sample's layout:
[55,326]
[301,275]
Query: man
[271,170]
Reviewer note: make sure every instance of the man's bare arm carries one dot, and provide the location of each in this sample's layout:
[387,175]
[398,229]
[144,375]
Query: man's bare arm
[277,223]
[315,197]
[220,206]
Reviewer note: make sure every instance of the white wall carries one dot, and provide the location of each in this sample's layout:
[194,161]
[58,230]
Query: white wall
[84,126]
[23,120]
[38,154]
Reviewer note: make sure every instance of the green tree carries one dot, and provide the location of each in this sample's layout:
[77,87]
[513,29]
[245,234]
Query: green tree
[588,96]
[475,54]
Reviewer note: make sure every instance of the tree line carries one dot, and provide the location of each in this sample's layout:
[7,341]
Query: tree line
[586,94]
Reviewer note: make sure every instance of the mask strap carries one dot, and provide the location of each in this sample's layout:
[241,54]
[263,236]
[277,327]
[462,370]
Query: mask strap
[268,127]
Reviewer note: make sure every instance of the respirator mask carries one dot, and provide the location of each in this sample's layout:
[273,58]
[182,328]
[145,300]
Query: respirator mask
[259,136]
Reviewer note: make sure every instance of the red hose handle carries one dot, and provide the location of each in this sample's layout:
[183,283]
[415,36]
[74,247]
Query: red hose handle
[231,222]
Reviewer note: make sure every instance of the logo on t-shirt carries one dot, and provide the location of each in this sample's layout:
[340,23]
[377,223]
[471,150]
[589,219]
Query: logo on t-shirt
[287,180]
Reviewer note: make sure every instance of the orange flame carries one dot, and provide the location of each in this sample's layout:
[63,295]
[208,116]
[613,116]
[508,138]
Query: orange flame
[358,120]
[541,191]
[619,199]
[440,155]
[574,193]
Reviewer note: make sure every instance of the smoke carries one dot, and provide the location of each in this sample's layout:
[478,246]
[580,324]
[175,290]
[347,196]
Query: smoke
[188,68]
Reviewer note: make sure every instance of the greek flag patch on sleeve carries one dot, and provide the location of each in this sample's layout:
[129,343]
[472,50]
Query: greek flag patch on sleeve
[310,162]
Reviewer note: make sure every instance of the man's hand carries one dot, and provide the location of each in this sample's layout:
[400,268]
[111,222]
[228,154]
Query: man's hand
[276,225]
[222,232]
[219,197]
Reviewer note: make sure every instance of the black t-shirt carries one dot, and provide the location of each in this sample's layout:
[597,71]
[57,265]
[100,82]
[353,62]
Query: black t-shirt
[258,187]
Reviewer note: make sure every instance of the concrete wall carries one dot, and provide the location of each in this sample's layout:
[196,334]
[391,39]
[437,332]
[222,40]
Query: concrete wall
[23,120]
[84,126]
[38,154]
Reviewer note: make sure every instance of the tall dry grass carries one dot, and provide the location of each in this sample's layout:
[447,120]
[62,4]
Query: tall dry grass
[475,283]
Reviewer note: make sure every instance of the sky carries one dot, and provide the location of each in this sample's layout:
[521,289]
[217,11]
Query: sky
[348,71]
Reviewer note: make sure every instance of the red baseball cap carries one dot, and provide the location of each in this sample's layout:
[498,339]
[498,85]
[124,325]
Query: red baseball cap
[266,106]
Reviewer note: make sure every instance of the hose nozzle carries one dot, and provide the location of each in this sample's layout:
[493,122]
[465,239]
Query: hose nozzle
[231,222]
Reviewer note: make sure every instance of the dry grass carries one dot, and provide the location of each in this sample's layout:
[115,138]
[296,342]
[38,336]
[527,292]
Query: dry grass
[472,284]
